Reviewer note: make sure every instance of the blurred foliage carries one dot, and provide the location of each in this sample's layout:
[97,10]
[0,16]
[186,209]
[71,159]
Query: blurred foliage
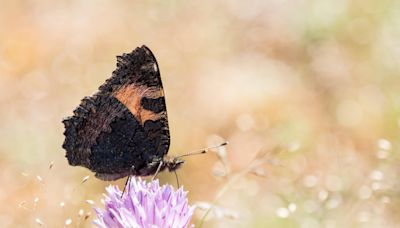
[318,79]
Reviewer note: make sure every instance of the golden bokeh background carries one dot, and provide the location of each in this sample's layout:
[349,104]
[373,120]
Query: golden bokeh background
[312,84]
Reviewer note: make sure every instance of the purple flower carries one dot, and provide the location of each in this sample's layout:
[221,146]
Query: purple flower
[145,205]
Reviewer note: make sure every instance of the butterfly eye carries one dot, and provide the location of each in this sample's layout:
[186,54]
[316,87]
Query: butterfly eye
[178,161]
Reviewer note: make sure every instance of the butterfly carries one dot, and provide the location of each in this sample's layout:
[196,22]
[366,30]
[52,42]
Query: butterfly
[122,129]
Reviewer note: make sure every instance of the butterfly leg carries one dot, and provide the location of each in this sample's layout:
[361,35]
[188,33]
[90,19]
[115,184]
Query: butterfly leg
[157,171]
[177,179]
[128,180]
[126,183]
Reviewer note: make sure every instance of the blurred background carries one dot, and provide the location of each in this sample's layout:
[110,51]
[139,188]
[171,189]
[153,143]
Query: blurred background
[314,85]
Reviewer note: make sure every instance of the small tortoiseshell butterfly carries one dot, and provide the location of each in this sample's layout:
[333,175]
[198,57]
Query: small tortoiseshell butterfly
[123,129]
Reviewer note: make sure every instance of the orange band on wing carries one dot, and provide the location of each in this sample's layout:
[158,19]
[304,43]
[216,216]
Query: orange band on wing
[131,96]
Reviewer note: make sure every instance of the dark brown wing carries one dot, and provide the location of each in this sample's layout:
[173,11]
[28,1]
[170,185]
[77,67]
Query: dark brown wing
[124,124]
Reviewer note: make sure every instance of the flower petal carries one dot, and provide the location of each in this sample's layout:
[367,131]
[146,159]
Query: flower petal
[145,205]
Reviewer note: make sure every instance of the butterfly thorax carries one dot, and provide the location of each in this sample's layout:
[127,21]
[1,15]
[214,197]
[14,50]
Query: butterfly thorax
[172,163]
[158,165]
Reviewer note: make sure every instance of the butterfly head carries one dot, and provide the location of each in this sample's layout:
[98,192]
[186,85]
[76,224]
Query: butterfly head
[173,163]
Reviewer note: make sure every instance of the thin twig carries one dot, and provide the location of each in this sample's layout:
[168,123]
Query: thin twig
[253,164]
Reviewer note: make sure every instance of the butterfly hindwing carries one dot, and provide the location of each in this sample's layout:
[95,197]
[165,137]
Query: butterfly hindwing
[124,126]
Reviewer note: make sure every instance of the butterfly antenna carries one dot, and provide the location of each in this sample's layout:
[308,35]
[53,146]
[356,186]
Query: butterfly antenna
[202,151]
[126,183]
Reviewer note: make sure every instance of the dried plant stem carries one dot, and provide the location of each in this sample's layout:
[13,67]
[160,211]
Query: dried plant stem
[234,178]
